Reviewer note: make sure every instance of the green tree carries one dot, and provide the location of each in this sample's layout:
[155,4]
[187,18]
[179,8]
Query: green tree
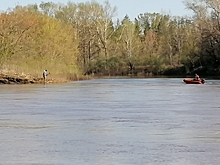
[207,23]
[33,41]
[130,43]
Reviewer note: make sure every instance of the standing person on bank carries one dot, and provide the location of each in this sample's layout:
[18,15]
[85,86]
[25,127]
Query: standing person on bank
[45,75]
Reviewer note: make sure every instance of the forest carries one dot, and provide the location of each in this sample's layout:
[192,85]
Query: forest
[79,39]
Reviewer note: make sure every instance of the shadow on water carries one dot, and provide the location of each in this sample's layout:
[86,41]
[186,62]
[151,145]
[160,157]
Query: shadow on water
[111,121]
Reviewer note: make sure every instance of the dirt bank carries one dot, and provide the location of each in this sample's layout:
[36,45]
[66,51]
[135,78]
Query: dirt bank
[18,79]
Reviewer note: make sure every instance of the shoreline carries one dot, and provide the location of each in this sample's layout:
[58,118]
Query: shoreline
[28,79]
[9,79]
[15,78]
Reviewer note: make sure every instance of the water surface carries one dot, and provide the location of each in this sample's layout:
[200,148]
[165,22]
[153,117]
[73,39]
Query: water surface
[157,121]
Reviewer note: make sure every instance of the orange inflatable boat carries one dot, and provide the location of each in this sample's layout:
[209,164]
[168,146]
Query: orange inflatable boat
[192,81]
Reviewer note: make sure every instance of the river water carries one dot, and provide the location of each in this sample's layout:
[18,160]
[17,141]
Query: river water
[156,121]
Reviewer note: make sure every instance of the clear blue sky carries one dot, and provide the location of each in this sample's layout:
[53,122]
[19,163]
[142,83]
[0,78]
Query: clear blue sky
[131,7]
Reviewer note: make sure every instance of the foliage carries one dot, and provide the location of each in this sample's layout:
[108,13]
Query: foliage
[82,38]
[33,42]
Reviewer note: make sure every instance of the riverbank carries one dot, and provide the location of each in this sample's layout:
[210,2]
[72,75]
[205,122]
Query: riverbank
[19,79]
[11,77]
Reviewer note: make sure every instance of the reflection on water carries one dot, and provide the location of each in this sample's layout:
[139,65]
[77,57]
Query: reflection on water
[111,122]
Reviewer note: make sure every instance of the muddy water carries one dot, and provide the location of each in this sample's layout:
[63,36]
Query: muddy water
[111,122]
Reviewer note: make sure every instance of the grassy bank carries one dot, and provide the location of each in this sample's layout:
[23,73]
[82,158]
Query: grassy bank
[25,74]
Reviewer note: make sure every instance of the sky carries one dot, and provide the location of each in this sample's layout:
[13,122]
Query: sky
[130,7]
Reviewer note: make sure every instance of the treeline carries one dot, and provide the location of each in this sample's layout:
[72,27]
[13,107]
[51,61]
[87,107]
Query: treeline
[82,38]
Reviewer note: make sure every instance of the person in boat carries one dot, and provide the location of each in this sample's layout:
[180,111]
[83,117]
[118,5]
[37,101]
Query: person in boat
[197,78]
[45,75]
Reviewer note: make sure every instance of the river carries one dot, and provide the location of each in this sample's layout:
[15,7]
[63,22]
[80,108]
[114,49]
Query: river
[116,121]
